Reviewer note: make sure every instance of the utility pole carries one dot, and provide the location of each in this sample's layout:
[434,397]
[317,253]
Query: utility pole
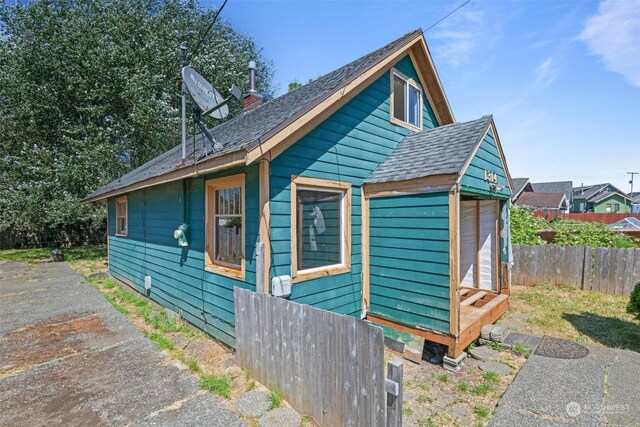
[631,180]
[183,48]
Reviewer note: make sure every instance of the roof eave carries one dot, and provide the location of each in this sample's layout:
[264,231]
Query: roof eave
[225,161]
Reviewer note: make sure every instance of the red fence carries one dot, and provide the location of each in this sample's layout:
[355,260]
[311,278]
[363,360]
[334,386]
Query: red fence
[605,218]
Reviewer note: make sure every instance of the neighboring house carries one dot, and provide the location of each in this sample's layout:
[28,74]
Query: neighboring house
[359,186]
[520,185]
[551,204]
[600,198]
[556,187]
[635,206]
[630,223]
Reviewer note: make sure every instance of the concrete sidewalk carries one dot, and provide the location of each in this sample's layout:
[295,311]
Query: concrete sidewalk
[69,358]
[602,388]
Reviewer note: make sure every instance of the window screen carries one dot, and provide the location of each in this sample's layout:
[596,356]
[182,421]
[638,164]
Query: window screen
[399,98]
[319,228]
[228,227]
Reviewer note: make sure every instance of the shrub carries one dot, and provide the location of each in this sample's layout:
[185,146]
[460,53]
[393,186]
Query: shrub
[634,302]
[525,227]
[578,233]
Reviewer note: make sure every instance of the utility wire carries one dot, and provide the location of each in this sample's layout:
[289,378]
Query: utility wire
[206,33]
[447,15]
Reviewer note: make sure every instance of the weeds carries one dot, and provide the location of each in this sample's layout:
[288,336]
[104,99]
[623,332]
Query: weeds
[423,398]
[482,389]
[521,350]
[217,384]
[443,378]
[161,341]
[463,386]
[407,411]
[491,376]
[481,411]
[276,399]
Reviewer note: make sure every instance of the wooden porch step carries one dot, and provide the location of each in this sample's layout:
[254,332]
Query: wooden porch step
[473,298]
[464,292]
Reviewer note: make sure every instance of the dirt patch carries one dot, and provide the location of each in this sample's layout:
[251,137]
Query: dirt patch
[58,337]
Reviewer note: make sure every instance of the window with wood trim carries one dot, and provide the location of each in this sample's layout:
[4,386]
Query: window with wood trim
[225,225]
[122,216]
[406,101]
[321,227]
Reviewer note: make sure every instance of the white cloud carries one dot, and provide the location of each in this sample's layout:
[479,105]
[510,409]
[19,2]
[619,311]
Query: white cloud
[547,71]
[614,35]
[459,37]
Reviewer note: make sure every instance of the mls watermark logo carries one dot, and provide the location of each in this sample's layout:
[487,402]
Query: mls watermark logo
[573,409]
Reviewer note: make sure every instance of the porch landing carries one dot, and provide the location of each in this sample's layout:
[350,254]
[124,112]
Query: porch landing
[478,308]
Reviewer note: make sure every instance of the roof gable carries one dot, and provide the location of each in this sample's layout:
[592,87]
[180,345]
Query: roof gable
[285,119]
[439,151]
[542,200]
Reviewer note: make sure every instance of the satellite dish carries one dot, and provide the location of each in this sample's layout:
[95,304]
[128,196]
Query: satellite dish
[204,94]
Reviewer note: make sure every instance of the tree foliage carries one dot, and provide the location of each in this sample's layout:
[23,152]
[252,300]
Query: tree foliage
[90,89]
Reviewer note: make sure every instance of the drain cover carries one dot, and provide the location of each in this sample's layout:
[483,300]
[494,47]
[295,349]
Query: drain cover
[561,349]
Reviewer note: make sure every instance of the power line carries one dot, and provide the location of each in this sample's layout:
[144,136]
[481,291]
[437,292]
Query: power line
[206,33]
[447,15]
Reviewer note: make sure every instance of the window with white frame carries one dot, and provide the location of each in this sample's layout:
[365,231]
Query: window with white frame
[225,225]
[406,101]
[121,216]
[321,223]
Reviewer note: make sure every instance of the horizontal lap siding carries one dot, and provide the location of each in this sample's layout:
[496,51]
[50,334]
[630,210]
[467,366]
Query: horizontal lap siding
[179,280]
[487,157]
[347,146]
[409,259]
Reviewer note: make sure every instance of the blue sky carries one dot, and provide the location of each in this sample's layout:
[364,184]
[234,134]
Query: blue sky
[561,78]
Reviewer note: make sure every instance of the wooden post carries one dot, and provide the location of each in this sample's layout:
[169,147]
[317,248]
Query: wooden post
[393,387]
[260,267]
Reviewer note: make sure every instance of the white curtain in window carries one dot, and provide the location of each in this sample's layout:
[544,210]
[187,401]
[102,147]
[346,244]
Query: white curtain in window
[488,244]
[468,242]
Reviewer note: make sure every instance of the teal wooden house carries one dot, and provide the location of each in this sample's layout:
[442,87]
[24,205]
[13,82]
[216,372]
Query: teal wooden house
[359,187]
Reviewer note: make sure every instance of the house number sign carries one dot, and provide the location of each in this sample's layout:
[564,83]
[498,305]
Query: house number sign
[490,176]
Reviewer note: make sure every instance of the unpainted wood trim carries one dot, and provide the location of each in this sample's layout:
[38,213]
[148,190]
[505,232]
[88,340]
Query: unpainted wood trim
[454,263]
[119,232]
[222,162]
[410,81]
[429,335]
[424,85]
[265,221]
[381,189]
[320,184]
[287,136]
[364,204]
[476,276]
[432,79]
[211,185]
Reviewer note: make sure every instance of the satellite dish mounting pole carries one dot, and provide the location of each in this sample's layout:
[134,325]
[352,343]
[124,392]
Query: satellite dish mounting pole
[183,48]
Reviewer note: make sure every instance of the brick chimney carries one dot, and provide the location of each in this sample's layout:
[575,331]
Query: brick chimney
[252,99]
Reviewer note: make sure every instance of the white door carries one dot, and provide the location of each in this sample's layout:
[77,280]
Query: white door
[488,245]
[479,244]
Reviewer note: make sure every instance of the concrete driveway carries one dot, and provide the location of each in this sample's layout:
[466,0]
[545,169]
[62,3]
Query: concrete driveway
[573,385]
[67,357]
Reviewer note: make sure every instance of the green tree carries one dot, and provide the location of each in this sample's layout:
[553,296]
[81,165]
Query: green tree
[294,85]
[90,89]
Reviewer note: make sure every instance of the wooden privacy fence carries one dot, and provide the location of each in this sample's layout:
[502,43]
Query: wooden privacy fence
[607,270]
[328,366]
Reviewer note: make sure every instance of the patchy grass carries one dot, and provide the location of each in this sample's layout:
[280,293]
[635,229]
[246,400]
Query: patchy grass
[521,350]
[482,389]
[423,398]
[583,316]
[276,399]
[481,411]
[75,253]
[463,386]
[491,377]
[217,384]
[407,411]
[161,341]
[443,377]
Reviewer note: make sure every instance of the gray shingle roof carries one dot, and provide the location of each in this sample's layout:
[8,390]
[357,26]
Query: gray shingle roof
[437,151]
[518,185]
[554,187]
[247,129]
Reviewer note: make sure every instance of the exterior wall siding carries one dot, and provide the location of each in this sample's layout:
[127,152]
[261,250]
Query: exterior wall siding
[601,207]
[179,280]
[347,146]
[409,259]
[486,157]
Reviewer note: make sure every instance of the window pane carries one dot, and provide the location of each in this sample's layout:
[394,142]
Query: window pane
[399,98]
[229,201]
[414,106]
[228,237]
[319,226]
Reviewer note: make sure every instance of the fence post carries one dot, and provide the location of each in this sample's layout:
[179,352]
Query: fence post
[393,387]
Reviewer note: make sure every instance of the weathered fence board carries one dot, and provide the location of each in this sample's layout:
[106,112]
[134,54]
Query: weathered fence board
[610,271]
[328,366]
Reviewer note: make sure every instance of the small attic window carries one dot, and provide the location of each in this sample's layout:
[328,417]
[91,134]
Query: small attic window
[406,101]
